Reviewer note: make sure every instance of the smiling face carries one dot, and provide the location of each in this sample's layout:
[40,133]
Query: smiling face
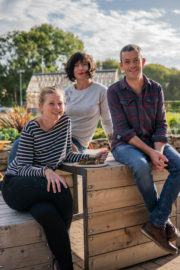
[80,70]
[53,107]
[132,64]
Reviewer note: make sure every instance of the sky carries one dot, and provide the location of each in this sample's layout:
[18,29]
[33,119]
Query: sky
[105,26]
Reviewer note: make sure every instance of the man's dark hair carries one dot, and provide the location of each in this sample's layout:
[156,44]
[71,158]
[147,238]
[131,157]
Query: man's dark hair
[82,57]
[129,48]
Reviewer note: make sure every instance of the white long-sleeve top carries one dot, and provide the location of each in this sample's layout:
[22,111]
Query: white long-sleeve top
[38,149]
[85,107]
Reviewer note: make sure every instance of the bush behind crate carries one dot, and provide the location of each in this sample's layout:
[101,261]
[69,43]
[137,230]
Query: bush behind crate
[172,105]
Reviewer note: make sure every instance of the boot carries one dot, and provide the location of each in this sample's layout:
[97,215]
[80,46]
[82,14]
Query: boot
[158,236]
[171,231]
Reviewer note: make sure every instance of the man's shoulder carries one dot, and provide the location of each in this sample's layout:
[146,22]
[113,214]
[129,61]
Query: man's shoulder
[117,85]
[153,83]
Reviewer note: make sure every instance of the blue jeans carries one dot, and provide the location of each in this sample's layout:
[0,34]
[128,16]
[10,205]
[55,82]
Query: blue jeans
[160,207]
[78,145]
[13,151]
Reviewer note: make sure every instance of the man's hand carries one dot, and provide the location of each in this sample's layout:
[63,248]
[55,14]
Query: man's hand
[158,161]
[55,180]
[160,165]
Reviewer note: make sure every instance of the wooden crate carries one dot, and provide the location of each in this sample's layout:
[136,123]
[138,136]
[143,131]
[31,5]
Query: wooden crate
[22,241]
[116,212]
[23,244]
[178,218]
[113,215]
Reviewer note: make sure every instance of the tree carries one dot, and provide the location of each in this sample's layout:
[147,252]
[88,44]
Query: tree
[43,46]
[108,64]
[169,78]
[173,85]
[157,73]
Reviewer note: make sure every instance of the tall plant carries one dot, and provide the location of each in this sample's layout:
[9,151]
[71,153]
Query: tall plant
[15,119]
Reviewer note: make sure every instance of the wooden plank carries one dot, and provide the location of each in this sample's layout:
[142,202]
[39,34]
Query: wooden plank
[77,239]
[15,218]
[115,240]
[63,173]
[21,234]
[115,198]
[25,256]
[178,226]
[43,266]
[178,204]
[4,155]
[118,218]
[118,239]
[77,267]
[126,257]
[3,167]
[79,262]
[67,176]
[106,177]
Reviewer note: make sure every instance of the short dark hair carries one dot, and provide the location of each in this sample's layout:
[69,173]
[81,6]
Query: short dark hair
[80,56]
[129,48]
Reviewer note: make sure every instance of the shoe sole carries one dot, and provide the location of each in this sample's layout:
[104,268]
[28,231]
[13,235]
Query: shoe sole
[156,242]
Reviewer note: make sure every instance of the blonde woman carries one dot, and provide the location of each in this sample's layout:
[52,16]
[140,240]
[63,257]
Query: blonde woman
[31,182]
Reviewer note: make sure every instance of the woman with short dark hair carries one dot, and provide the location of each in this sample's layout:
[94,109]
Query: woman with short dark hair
[86,101]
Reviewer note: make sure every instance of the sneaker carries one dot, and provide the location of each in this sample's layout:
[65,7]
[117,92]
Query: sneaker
[158,236]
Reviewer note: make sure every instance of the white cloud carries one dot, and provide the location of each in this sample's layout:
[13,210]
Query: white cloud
[176,11]
[103,33]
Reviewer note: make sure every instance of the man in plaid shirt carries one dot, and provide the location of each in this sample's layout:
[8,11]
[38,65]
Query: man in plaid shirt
[140,140]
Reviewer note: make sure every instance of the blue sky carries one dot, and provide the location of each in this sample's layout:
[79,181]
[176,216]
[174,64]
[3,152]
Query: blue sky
[105,26]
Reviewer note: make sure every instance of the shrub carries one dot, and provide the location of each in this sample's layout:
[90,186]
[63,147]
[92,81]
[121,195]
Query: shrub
[99,133]
[9,134]
[173,120]
[172,105]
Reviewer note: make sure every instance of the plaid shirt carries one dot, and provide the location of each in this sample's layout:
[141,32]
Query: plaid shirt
[137,115]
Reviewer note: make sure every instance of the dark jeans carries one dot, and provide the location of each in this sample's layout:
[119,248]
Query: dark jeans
[52,211]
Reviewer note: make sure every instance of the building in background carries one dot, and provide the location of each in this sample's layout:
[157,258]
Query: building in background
[41,80]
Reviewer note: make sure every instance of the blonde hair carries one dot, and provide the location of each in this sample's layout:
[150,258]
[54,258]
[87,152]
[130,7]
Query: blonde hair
[50,90]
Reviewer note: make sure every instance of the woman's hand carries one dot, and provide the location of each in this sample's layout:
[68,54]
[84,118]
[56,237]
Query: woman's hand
[102,155]
[55,180]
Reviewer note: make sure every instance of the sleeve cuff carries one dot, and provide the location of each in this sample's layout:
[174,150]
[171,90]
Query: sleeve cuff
[160,139]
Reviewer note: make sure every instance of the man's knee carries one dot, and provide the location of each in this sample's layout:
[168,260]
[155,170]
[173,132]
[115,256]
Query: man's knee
[141,167]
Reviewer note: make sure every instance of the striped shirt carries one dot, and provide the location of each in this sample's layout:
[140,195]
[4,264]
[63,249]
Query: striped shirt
[39,149]
[140,115]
